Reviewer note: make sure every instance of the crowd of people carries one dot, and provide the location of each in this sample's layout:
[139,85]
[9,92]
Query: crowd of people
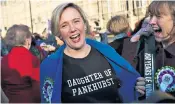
[64,66]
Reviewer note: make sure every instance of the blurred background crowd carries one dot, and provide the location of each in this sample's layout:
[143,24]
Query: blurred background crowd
[37,15]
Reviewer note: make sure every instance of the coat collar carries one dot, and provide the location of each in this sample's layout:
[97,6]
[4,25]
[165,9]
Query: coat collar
[104,49]
[171,49]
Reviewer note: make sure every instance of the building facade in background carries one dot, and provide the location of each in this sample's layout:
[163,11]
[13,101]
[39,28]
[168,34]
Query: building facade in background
[37,13]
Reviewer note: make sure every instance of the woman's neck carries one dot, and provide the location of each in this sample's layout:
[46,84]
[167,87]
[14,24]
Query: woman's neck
[81,53]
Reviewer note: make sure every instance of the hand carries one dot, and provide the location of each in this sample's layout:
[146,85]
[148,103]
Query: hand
[51,48]
[135,38]
[140,85]
[48,48]
[43,45]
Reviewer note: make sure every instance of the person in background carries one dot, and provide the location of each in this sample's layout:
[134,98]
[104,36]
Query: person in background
[37,38]
[37,50]
[4,98]
[4,49]
[49,39]
[141,26]
[92,32]
[104,37]
[120,28]
[84,70]
[20,69]
[131,46]
[46,42]
[95,33]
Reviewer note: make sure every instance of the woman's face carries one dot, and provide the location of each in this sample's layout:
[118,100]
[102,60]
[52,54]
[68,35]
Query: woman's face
[162,25]
[72,29]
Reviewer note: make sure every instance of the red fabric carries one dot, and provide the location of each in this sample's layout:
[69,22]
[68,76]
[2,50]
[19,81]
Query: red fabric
[20,76]
[129,34]
[41,51]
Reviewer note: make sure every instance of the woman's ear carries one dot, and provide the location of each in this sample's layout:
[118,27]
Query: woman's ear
[27,43]
[85,26]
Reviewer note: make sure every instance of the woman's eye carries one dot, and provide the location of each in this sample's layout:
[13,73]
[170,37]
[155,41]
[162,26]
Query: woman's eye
[76,21]
[159,16]
[63,26]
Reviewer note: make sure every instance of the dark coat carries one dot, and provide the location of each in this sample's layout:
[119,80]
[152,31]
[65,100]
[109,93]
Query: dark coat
[163,57]
[117,45]
[129,52]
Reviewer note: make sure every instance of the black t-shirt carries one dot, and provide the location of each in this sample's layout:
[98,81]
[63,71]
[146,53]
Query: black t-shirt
[89,80]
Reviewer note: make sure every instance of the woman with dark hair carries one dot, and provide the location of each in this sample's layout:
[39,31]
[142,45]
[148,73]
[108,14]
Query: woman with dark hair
[162,20]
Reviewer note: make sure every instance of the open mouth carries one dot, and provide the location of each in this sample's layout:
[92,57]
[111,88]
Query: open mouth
[75,38]
[159,30]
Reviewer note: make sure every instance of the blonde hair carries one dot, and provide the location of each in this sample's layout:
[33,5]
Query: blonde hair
[58,12]
[118,24]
